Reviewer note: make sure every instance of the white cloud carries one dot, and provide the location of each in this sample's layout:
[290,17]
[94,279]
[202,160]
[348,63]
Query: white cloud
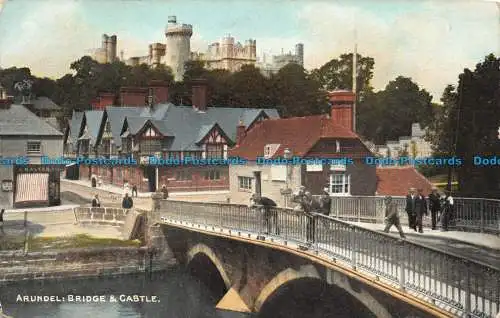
[432,46]
[69,38]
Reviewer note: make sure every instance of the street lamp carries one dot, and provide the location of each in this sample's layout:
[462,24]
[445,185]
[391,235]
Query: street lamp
[287,155]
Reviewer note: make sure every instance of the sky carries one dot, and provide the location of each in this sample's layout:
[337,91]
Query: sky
[429,41]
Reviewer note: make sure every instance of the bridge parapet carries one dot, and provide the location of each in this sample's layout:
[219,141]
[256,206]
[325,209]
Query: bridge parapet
[106,216]
[443,280]
[470,214]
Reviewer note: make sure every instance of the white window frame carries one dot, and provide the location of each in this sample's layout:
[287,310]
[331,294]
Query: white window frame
[314,168]
[344,182]
[33,152]
[245,183]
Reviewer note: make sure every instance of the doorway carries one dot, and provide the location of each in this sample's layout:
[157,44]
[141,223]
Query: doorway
[151,176]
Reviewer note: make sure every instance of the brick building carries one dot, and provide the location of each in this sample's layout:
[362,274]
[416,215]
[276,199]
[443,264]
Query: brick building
[322,136]
[146,124]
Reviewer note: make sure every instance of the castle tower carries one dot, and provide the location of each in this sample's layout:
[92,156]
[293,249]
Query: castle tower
[157,51]
[299,52]
[103,58]
[227,47]
[111,49]
[178,46]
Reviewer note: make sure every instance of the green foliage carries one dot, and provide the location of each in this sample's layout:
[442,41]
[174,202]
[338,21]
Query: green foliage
[389,114]
[467,125]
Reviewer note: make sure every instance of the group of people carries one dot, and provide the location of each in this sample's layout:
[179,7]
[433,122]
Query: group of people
[418,206]
[305,203]
[127,202]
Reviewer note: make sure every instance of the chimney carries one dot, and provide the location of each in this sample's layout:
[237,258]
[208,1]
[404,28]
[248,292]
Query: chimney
[240,132]
[104,99]
[159,91]
[133,96]
[199,98]
[341,103]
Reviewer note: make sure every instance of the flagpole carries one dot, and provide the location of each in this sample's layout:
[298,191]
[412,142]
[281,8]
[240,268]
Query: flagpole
[354,80]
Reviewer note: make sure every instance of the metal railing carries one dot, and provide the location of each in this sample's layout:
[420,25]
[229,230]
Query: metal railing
[108,216]
[469,214]
[462,287]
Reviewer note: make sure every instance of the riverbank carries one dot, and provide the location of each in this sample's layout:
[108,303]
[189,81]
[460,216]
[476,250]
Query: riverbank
[82,262]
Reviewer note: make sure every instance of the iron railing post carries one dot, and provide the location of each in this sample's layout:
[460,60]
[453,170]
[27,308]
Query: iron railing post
[353,247]
[467,289]
[401,261]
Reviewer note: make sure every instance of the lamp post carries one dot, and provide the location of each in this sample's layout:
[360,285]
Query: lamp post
[287,155]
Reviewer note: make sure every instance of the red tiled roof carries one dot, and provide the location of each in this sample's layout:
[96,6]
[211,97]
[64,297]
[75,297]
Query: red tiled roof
[297,133]
[397,180]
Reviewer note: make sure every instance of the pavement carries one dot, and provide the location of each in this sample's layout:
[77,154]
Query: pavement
[478,246]
[107,189]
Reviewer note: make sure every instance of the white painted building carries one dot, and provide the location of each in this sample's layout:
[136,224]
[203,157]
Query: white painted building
[415,145]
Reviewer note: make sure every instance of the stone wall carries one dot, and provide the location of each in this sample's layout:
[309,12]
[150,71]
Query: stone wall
[113,261]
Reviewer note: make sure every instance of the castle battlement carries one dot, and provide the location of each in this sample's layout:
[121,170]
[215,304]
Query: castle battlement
[183,29]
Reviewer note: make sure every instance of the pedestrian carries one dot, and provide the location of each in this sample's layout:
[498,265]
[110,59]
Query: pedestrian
[298,198]
[310,206]
[1,220]
[96,203]
[126,188]
[410,208]
[127,202]
[270,215]
[325,203]
[446,210]
[420,210]
[392,216]
[164,190]
[134,190]
[434,206]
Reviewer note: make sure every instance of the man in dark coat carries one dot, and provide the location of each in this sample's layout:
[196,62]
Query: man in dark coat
[434,206]
[127,202]
[164,190]
[1,220]
[95,202]
[392,216]
[269,213]
[420,210]
[325,203]
[446,210]
[310,206]
[410,208]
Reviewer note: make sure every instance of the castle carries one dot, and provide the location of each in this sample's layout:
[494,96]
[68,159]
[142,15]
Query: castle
[226,54]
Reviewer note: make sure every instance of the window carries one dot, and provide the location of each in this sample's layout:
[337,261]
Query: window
[106,143]
[267,151]
[314,168]
[245,183]
[84,146]
[215,151]
[34,147]
[183,175]
[339,183]
[174,155]
[192,154]
[150,146]
[212,175]
[150,132]
[337,146]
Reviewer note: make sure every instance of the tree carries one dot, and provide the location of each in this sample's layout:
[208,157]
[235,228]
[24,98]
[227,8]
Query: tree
[298,93]
[337,74]
[467,125]
[389,114]
[250,88]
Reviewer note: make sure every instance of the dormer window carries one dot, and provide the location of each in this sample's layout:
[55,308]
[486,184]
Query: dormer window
[150,132]
[267,151]
[270,150]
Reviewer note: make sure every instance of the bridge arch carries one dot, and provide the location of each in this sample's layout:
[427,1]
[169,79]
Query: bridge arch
[209,253]
[310,272]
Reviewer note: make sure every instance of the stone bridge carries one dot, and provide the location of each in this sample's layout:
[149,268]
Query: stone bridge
[247,275]
[338,267]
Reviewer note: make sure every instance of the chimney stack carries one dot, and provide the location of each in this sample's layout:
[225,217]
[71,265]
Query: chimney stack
[342,107]
[240,132]
[159,91]
[104,99]
[5,101]
[133,96]
[199,98]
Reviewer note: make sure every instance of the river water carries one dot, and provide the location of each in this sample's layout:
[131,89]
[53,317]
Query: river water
[178,295]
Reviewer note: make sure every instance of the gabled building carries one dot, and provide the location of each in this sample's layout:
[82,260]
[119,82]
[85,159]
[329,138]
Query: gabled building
[25,135]
[327,137]
[162,130]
